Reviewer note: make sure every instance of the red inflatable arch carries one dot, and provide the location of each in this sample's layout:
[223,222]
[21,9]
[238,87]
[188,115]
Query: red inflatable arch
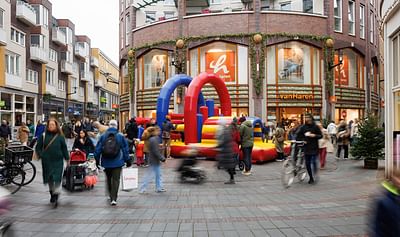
[191,98]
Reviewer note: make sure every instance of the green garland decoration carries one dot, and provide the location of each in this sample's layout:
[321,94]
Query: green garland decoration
[131,72]
[257,77]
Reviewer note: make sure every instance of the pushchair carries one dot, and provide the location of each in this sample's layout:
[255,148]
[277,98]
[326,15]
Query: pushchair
[190,171]
[74,174]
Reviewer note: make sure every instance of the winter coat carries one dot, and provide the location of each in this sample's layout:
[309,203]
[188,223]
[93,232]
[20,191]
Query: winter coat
[131,130]
[154,151]
[167,127]
[246,134]
[5,131]
[311,146]
[279,138]
[323,142]
[53,157]
[31,130]
[23,134]
[120,159]
[87,147]
[343,135]
[386,219]
[39,130]
[225,157]
[236,140]
[145,137]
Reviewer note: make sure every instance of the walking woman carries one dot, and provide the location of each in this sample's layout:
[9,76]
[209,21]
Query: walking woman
[52,150]
[279,138]
[323,144]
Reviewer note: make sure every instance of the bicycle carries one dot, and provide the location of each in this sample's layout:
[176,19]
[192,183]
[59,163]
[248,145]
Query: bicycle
[293,168]
[12,177]
[24,160]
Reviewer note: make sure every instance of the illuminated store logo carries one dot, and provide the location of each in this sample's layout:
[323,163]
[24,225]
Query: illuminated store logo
[219,65]
[222,63]
[294,97]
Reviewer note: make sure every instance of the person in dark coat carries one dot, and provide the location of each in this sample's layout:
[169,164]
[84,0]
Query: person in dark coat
[77,128]
[84,143]
[310,133]
[52,150]
[385,221]
[5,132]
[155,159]
[225,157]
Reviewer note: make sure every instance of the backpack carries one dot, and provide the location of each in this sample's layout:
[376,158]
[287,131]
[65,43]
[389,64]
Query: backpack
[111,147]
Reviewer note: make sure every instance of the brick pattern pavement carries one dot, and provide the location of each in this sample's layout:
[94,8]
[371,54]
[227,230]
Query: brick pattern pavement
[256,205]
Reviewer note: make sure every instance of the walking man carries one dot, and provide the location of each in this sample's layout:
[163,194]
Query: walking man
[310,133]
[247,142]
[112,152]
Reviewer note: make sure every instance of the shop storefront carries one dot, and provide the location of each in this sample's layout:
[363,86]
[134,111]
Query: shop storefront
[53,108]
[92,111]
[75,110]
[293,82]
[16,108]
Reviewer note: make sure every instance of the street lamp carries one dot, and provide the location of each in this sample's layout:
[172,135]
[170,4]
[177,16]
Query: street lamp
[73,92]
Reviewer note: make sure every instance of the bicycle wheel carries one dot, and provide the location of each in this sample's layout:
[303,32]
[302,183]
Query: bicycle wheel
[30,172]
[302,174]
[241,165]
[13,179]
[287,175]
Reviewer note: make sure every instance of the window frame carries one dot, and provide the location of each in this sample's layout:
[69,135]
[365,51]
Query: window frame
[61,85]
[371,27]
[351,14]
[50,76]
[282,4]
[362,21]
[127,28]
[53,55]
[13,68]
[17,36]
[32,76]
[148,13]
[339,17]
[2,18]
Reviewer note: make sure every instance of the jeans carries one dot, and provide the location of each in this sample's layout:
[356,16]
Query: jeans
[247,158]
[311,160]
[346,151]
[156,169]
[113,176]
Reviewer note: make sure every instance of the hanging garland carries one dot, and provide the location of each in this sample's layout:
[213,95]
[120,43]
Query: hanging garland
[131,69]
[256,51]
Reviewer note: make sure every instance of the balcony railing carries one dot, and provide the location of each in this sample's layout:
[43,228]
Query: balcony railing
[39,54]
[99,83]
[26,13]
[66,67]
[58,36]
[84,76]
[94,62]
[80,51]
[3,37]
[13,80]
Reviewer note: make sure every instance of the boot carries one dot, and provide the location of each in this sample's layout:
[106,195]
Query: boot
[231,181]
[52,198]
[55,200]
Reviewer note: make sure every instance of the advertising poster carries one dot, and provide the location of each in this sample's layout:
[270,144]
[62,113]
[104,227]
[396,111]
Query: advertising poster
[291,65]
[222,64]
[342,71]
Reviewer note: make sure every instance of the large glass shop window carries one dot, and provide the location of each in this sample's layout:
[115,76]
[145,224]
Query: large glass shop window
[219,58]
[155,68]
[349,73]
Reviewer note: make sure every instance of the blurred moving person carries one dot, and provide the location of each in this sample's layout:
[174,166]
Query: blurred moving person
[323,144]
[332,129]
[343,140]
[279,138]
[23,134]
[226,157]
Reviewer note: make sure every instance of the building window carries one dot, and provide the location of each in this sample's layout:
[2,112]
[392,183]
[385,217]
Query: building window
[32,76]
[121,29]
[396,60]
[286,6]
[351,13]
[1,18]
[53,55]
[127,29]
[74,84]
[308,6]
[30,104]
[42,15]
[337,6]
[362,22]
[68,33]
[18,37]
[13,64]
[50,77]
[61,85]
[150,17]
[349,73]
[169,2]
[371,27]
[169,15]
[81,91]
[37,41]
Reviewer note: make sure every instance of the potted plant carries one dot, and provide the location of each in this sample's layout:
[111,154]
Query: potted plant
[370,142]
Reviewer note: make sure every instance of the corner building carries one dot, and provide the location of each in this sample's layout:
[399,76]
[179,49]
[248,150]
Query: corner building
[278,77]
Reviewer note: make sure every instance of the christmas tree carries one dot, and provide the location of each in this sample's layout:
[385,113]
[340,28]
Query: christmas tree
[370,142]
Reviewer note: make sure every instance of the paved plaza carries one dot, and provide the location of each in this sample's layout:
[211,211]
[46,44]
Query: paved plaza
[256,205]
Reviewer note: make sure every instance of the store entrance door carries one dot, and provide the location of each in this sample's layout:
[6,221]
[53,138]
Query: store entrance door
[288,115]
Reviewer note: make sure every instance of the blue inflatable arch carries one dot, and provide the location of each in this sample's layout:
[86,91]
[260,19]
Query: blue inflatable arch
[166,92]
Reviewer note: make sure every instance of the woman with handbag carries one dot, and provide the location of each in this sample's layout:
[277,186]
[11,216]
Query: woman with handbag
[52,150]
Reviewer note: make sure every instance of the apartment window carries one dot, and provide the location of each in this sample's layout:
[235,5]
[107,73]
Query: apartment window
[150,17]
[53,55]
[81,91]
[308,6]
[169,15]
[37,40]
[169,2]
[215,1]
[50,76]
[371,27]
[121,29]
[337,7]
[127,28]
[42,15]
[74,83]
[32,76]
[13,64]
[61,85]
[17,37]
[68,34]
[351,18]
[286,6]
[362,22]
[1,18]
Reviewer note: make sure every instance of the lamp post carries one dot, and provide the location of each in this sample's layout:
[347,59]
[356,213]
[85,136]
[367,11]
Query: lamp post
[131,73]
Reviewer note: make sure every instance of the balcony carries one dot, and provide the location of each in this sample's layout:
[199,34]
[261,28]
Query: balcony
[58,36]
[3,37]
[66,67]
[26,13]
[84,76]
[39,54]
[13,80]
[99,83]
[94,62]
[80,51]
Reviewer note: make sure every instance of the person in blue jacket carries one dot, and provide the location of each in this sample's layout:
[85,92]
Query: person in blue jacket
[386,218]
[112,153]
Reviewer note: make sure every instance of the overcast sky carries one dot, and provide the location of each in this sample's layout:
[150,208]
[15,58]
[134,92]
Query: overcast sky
[98,19]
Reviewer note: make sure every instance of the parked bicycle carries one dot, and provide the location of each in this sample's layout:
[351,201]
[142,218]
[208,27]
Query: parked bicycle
[24,162]
[294,166]
[12,177]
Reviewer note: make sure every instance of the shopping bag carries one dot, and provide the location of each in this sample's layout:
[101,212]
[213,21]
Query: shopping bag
[330,148]
[129,178]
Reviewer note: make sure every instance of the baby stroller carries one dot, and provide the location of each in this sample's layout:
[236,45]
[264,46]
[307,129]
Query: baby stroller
[189,171]
[74,174]
[91,172]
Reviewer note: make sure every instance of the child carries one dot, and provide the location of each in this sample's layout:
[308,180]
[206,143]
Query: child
[91,171]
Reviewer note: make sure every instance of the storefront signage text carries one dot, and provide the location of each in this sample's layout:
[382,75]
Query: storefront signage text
[295,96]
[222,64]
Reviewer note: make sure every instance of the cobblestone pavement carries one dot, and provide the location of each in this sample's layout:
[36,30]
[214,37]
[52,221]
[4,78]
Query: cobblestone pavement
[256,205]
